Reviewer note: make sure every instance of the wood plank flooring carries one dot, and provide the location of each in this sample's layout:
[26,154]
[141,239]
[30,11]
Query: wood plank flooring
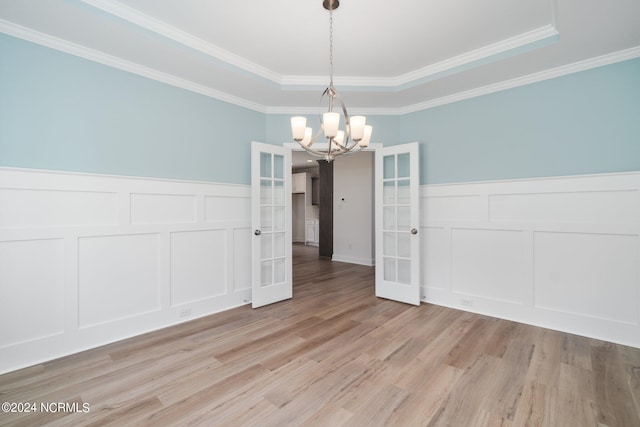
[336,355]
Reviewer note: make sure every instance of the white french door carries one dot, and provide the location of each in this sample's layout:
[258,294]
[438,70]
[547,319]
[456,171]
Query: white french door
[271,221]
[397,223]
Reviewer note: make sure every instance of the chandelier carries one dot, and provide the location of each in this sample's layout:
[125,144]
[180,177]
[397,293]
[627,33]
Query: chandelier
[357,133]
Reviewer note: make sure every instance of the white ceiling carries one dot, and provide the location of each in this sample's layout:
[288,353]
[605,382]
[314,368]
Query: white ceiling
[390,56]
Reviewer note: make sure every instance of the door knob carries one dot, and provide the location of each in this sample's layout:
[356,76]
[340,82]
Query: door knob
[257,232]
[414,231]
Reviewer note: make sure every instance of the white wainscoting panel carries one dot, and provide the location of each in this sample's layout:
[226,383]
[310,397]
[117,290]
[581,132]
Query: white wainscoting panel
[162,208]
[118,277]
[435,251]
[589,207]
[198,265]
[242,259]
[56,208]
[227,208]
[593,275]
[562,252]
[88,259]
[488,264]
[453,207]
[31,281]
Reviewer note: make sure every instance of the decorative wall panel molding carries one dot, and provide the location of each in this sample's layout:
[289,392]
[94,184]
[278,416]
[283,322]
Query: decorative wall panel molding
[89,259]
[198,265]
[118,277]
[488,263]
[593,275]
[453,207]
[163,208]
[56,208]
[562,253]
[34,269]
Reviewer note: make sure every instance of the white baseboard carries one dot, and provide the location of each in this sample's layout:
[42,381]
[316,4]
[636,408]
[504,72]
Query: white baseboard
[352,260]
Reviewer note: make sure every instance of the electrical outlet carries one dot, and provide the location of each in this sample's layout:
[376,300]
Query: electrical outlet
[185,312]
[466,302]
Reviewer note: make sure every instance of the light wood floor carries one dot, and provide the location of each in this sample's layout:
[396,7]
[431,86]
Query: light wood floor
[336,355]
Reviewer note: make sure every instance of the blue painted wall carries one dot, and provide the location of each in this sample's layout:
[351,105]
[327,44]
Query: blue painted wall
[583,123]
[62,112]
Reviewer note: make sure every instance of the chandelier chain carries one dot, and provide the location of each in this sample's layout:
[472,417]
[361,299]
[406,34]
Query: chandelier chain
[331,47]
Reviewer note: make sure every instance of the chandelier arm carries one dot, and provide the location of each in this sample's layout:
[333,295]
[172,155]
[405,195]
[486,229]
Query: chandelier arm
[345,147]
[352,150]
[314,139]
[316,153]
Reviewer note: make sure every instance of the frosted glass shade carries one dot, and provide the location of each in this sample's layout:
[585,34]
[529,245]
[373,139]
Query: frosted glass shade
[339,139]
[298,125]
[308,133]
[364,142]
[330,123]
[357,127]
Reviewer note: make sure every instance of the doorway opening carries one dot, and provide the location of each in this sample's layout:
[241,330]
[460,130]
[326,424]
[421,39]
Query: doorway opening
[351,227]
[305,206]
[396,215]
[305,201]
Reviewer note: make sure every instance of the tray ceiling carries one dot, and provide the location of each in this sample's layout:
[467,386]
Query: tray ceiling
[390,57]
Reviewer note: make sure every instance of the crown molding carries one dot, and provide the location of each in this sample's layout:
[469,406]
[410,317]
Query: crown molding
[552,73]
[527,40]
[353,111]
[530,39]
[162,28]
[538,37]
[65,46]
[33,36]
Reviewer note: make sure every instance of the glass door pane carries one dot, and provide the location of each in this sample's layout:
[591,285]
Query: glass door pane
[272,219]
[396,217]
